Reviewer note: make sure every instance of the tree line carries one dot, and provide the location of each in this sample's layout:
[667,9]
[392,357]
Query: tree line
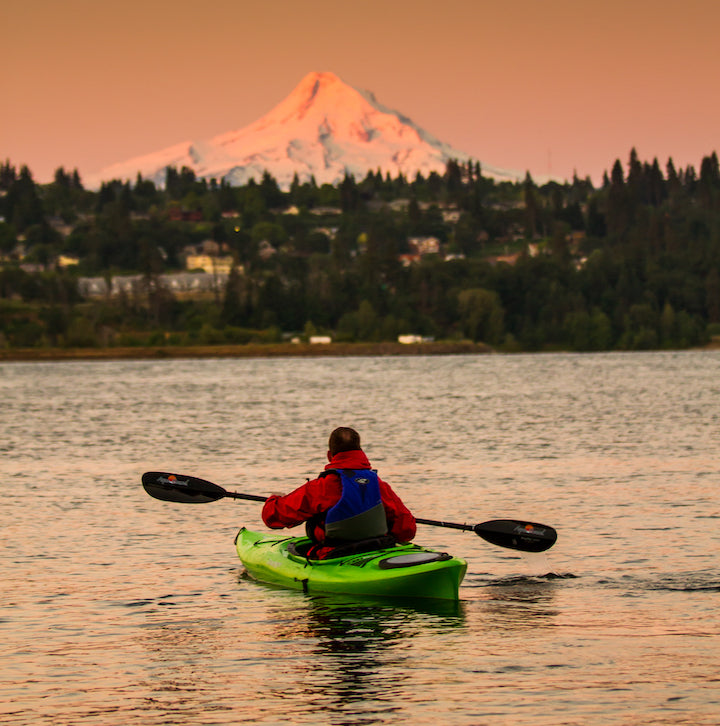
[633,264]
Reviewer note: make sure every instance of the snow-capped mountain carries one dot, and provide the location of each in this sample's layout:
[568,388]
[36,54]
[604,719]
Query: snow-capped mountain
[324,128]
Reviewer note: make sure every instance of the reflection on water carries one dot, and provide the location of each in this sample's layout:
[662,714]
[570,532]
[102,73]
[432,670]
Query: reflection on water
[323,654]
[359,663]
[120,609]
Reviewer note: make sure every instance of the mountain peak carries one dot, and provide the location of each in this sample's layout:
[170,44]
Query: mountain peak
[318,79]
[315,88]
[324,130]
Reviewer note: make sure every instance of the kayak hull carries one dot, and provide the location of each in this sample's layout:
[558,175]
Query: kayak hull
[404,571]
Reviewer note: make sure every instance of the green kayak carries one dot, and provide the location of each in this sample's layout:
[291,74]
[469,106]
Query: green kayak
[401,570]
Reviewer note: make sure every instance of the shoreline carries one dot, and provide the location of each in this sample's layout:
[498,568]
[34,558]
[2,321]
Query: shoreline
[250,350]
[262,350]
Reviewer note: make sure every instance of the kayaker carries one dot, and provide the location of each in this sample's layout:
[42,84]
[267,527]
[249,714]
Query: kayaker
[348,502]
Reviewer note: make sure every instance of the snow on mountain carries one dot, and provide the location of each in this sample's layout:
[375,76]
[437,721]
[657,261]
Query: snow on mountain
[324,128]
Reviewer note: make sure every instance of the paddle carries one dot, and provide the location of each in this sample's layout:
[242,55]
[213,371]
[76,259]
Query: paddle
[510,533]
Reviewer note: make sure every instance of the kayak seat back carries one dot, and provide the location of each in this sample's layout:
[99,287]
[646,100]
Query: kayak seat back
[346,549]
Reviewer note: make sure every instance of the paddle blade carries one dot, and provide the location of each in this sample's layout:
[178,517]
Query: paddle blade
[516,535]
[181,488]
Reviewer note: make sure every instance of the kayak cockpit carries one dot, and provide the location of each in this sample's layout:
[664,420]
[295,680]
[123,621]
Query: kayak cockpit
[303,547]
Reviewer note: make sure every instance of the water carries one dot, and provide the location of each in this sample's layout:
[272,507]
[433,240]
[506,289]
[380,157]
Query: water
[116,608]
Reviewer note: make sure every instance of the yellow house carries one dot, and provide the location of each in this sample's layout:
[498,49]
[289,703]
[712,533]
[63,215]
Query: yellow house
[66,261]
[213,265]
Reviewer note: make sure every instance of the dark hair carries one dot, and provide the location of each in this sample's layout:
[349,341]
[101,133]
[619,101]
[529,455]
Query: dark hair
[343,439]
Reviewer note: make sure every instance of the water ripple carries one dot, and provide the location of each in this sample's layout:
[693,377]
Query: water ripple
[119,609]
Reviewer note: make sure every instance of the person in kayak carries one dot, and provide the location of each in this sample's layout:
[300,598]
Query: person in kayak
[348,502]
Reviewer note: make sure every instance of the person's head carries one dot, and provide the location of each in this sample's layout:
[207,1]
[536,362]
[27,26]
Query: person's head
[343,439]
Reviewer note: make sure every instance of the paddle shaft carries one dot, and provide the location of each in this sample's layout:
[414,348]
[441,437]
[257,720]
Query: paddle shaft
[518,539]
[450,525]
[431,522]
[511,533]
[249,497]
[476,528]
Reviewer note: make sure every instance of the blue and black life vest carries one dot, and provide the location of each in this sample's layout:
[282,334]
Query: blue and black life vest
[359,513]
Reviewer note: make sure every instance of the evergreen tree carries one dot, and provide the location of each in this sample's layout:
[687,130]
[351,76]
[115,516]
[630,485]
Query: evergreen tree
[712,295]
[618,204]
[656,185]
[454,181]
[531,207]
[22,204]
[709,182]
[8,175]
[349,194]
[635,179]
[270,191]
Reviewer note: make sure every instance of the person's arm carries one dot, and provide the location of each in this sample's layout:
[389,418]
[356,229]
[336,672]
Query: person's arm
[401,523]
[297,507]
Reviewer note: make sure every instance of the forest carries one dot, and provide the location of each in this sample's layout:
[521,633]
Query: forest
[633,264]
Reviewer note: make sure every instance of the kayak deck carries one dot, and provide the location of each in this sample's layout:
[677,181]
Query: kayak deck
[404,570]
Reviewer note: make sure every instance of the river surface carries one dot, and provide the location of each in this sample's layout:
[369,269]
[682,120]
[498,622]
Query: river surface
[116,608]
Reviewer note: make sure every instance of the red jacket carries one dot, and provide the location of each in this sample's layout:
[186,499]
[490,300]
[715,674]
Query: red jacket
[320,494]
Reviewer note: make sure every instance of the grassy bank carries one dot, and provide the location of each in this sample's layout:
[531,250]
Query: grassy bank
[270,350]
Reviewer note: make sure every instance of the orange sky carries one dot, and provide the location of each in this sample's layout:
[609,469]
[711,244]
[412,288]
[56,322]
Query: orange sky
[549,86]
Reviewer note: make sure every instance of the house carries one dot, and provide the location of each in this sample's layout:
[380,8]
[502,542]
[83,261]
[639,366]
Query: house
[208,263]
[176,214]
[92,286]
[128,284]
[67,261]
[187,283]
[329,232]
[424,245]
[210,247]
[179,283]
[574,239]
[419,247]
[509,259]
[326,211]
[266,250]
[63,228]
[412,339]
[407,260]
[451,216]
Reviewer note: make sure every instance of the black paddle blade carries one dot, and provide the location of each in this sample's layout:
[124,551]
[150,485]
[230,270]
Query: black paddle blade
[181,488]
[524,536]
